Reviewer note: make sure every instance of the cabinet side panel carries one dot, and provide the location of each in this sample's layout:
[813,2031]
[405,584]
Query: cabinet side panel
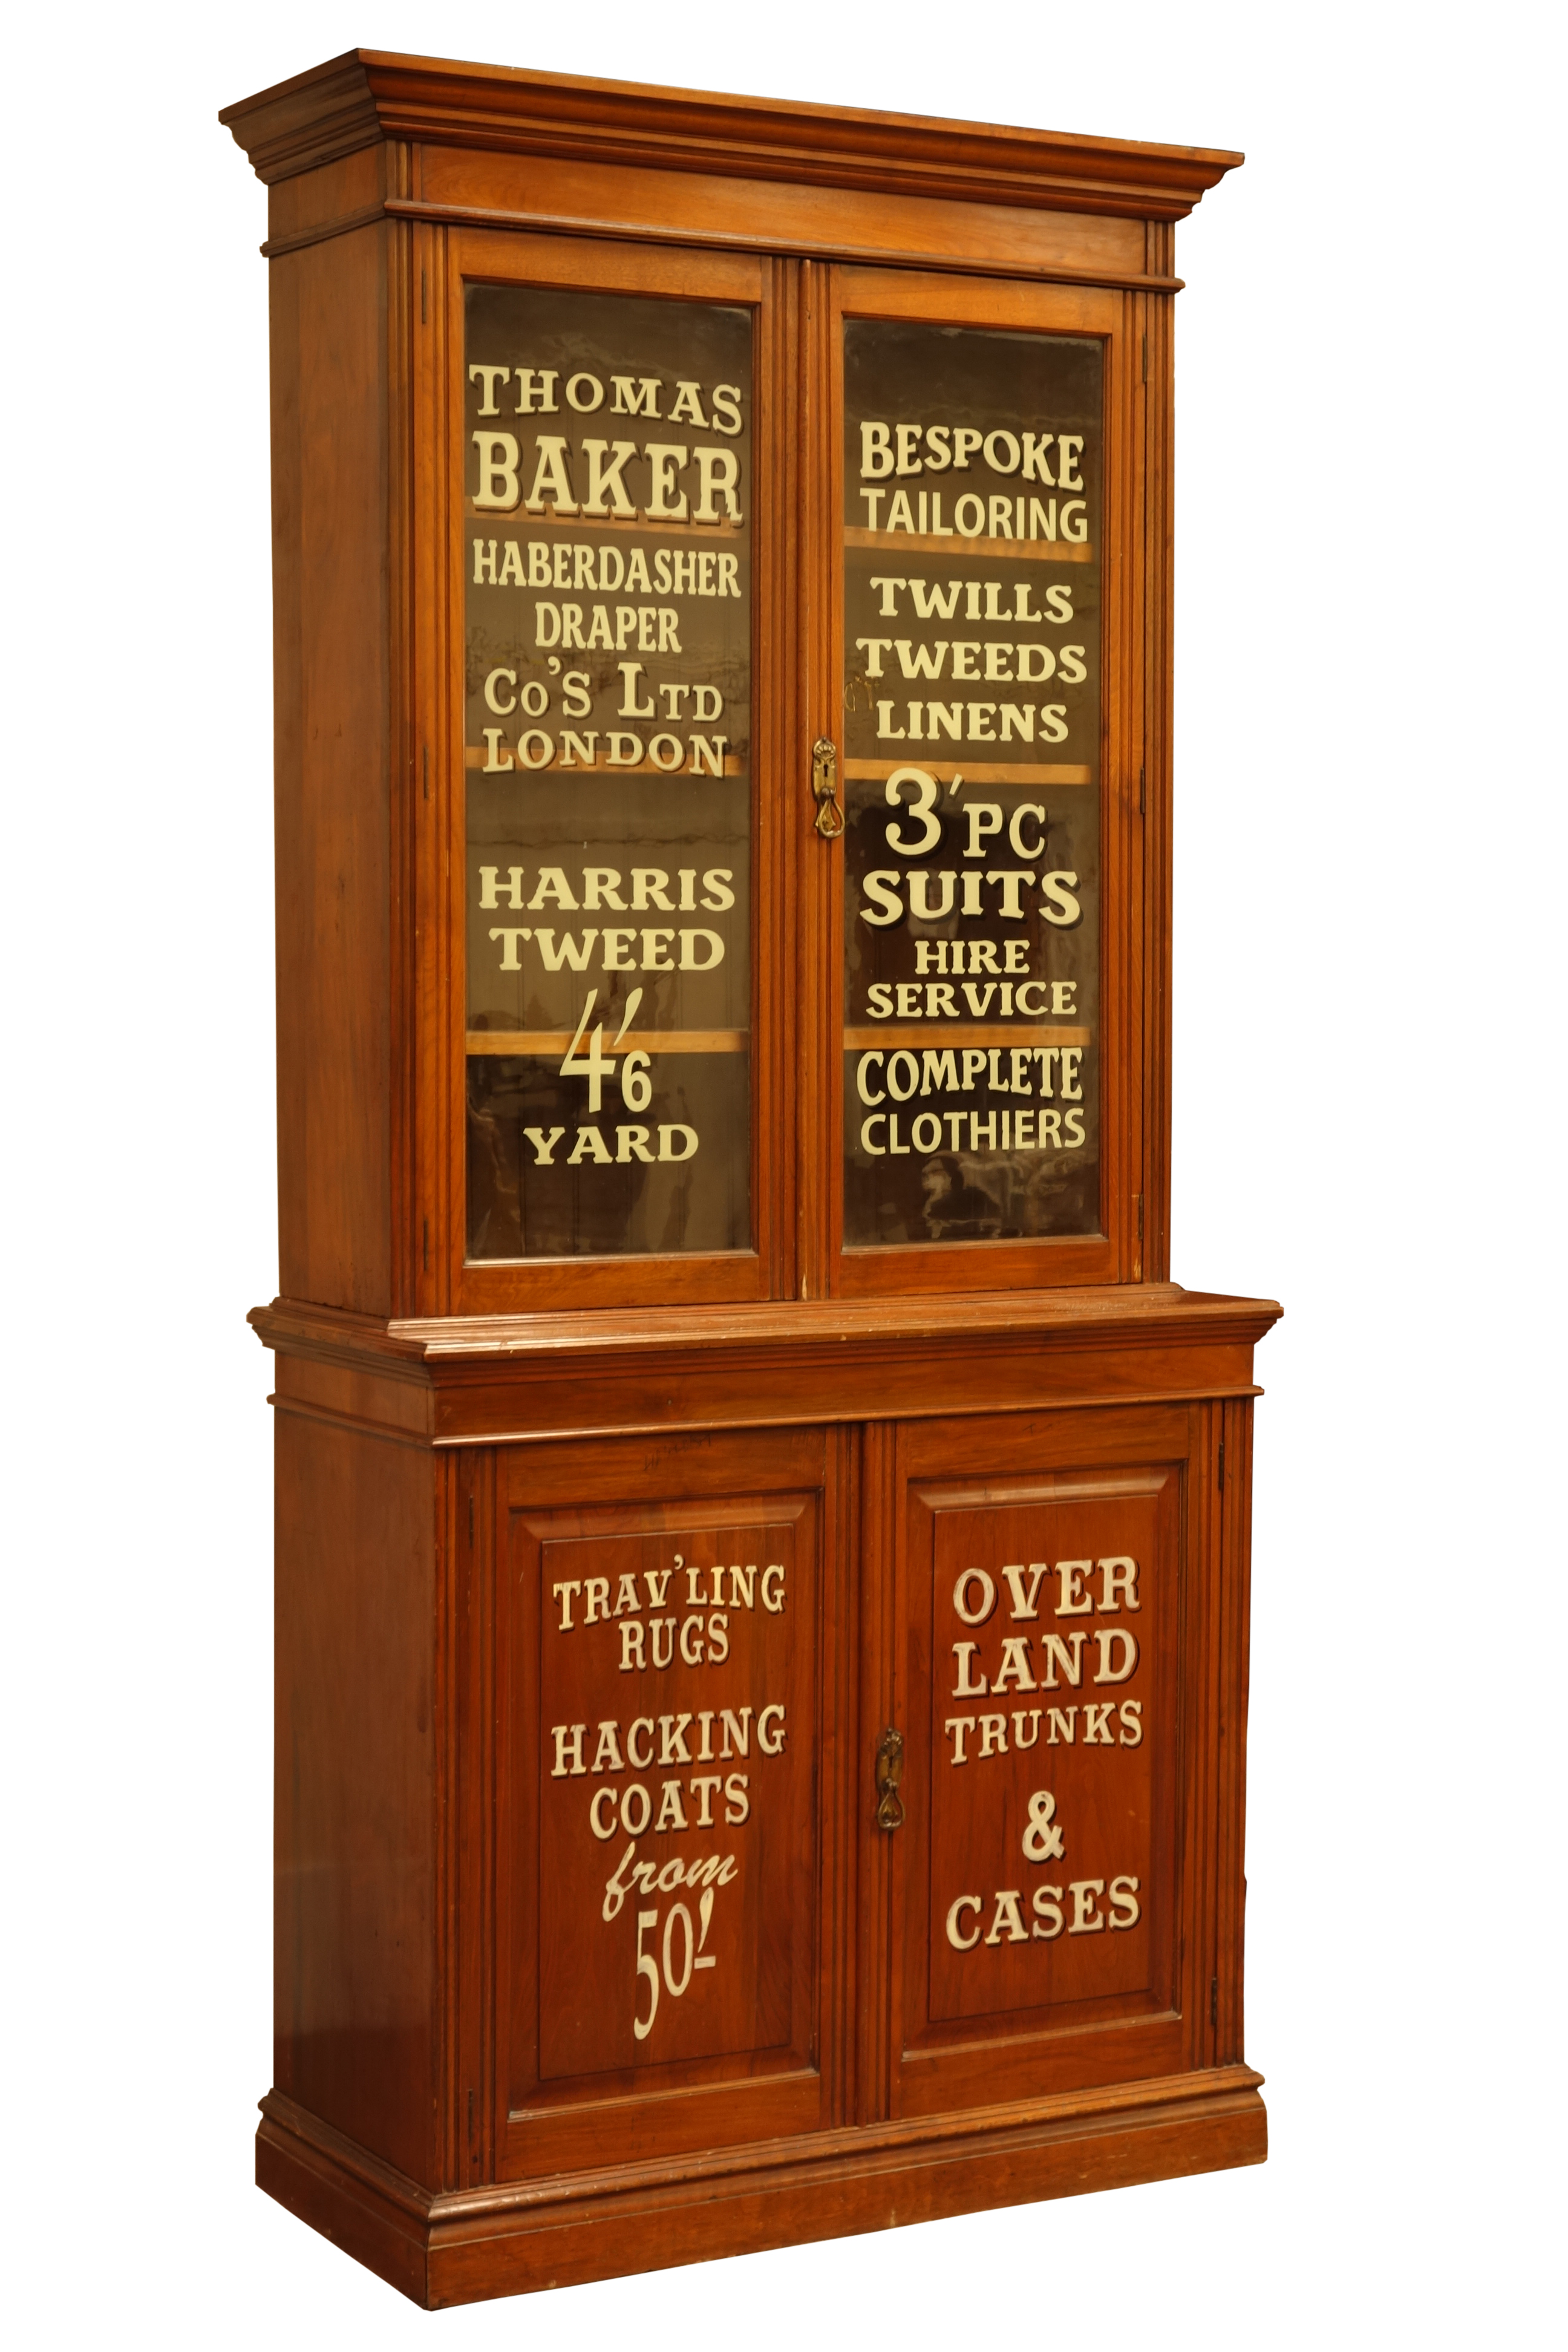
[354,1798]
[331,633]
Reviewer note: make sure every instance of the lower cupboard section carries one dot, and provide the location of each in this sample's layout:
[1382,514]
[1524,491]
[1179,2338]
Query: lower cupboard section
[850,1775]
[824,1827]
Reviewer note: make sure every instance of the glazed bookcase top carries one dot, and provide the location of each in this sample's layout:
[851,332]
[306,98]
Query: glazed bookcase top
[955,624]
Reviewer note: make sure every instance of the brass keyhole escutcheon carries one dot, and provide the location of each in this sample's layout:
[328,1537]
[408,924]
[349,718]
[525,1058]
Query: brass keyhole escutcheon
[889,1773]
[825,784]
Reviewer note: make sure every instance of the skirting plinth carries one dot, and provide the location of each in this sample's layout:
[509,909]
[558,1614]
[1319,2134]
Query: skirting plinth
[515,2238]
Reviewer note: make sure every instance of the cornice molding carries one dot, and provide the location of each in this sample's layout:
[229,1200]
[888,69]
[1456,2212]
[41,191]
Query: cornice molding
[370,95]
[1040,1319]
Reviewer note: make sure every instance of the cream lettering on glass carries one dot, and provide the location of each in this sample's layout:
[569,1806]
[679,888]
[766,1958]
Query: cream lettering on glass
[607,447]
[973,522]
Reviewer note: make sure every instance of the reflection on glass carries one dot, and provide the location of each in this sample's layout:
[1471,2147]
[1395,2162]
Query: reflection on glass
[973,502]
[607,557]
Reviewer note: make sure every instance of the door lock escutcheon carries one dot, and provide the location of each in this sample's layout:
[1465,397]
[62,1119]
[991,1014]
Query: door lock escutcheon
[889,1773]
[825,784]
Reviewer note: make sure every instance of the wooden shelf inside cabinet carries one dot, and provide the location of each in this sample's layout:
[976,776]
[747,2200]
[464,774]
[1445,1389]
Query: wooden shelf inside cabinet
[762,1541]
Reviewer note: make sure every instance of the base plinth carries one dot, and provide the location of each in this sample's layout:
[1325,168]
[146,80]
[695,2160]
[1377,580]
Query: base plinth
[518,2238]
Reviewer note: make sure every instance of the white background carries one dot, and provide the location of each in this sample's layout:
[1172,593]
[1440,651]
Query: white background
[1368,961]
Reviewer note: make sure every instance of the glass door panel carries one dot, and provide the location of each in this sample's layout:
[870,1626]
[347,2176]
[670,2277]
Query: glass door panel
[973,523]
[609,481]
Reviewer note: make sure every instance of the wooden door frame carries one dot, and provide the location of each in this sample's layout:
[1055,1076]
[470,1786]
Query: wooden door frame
[1111,317]
[447,1280]
[707,1475]
[1010,1452]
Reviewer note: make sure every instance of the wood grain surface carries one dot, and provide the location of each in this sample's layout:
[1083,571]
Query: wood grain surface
[602,1583]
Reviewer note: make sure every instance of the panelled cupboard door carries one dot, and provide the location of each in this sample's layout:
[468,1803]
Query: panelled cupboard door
[1048,1682]
[667,1655]
[988,563]
[616,481]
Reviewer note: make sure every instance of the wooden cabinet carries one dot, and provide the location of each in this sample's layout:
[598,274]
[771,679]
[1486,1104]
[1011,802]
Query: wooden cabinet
[762,1543]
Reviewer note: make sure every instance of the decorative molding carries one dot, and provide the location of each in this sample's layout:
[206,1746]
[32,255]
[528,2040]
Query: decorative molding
[537,1379]
[1149,1311]
[904,2136]
[508,2238]
[368,95]
[318,231]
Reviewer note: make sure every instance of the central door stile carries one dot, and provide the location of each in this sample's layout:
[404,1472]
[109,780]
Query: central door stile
[815,706]
[880,1676]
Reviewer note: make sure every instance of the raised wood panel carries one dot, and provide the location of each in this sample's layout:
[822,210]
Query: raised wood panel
[660,1835]
[1044,1891]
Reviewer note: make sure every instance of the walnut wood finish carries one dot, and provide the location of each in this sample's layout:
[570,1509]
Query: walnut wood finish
[376,230]
[367,98]
[496,1441]
[1127,1178]
[469,2096]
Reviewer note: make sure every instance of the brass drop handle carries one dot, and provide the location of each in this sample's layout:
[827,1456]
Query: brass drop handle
[825,784]
[889,1773]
